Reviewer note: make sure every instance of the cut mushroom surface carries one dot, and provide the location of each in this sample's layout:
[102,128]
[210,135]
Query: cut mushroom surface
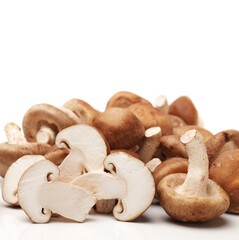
[192,197]
[129,181]
[87,151]
[39,197]
[13,175]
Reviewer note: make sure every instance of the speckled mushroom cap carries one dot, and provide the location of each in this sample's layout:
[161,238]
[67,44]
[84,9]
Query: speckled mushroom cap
[225,172]
[124,99]
[82,109]
[184,108]
[151,117]
[44,114]
[9,153]
[179,131]
[121,128]
[191,209]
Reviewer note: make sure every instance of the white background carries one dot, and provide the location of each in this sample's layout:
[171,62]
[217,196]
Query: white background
[52,51]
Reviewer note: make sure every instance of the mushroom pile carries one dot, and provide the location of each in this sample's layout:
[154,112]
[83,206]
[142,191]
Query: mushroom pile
[73,158]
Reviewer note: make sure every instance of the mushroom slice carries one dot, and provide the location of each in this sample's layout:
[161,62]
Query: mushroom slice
[88,150]
[129,181]
[192,197]
[44,121]
[39,197]
[13,175]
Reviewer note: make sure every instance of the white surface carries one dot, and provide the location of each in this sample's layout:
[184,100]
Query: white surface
[51,51]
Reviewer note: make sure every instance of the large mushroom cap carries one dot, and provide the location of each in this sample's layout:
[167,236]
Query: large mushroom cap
[44,114]
[184,108]
[225,172]
[151,117]
[124,99]
[191,209]
[121,128]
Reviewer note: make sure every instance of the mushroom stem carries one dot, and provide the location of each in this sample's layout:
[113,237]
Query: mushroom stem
[150,143]
[196,181]
[161,103]
[45,135]
[13,133]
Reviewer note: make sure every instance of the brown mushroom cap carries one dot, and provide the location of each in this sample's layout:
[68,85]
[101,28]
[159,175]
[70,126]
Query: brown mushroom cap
[44,114]
[171,165]
[9,153]
[151,117]
[121,128]
[218,143]
[184,108]
[225,172]
[124,99]
[82,109]
[179,131]
[191,209]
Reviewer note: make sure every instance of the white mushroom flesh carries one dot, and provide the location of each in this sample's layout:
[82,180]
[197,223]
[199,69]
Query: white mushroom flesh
[196,180]
[13,175]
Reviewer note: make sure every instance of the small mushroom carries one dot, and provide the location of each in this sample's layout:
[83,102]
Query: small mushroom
[82,110]
[125,99]
[56,155]
[150,143]
[179,131]
[128,180]
[151,117]
[121,128]
[39,197]
[42,122]
[13,175]
[184,108]
[192,197]
[220,142]
[225,172]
